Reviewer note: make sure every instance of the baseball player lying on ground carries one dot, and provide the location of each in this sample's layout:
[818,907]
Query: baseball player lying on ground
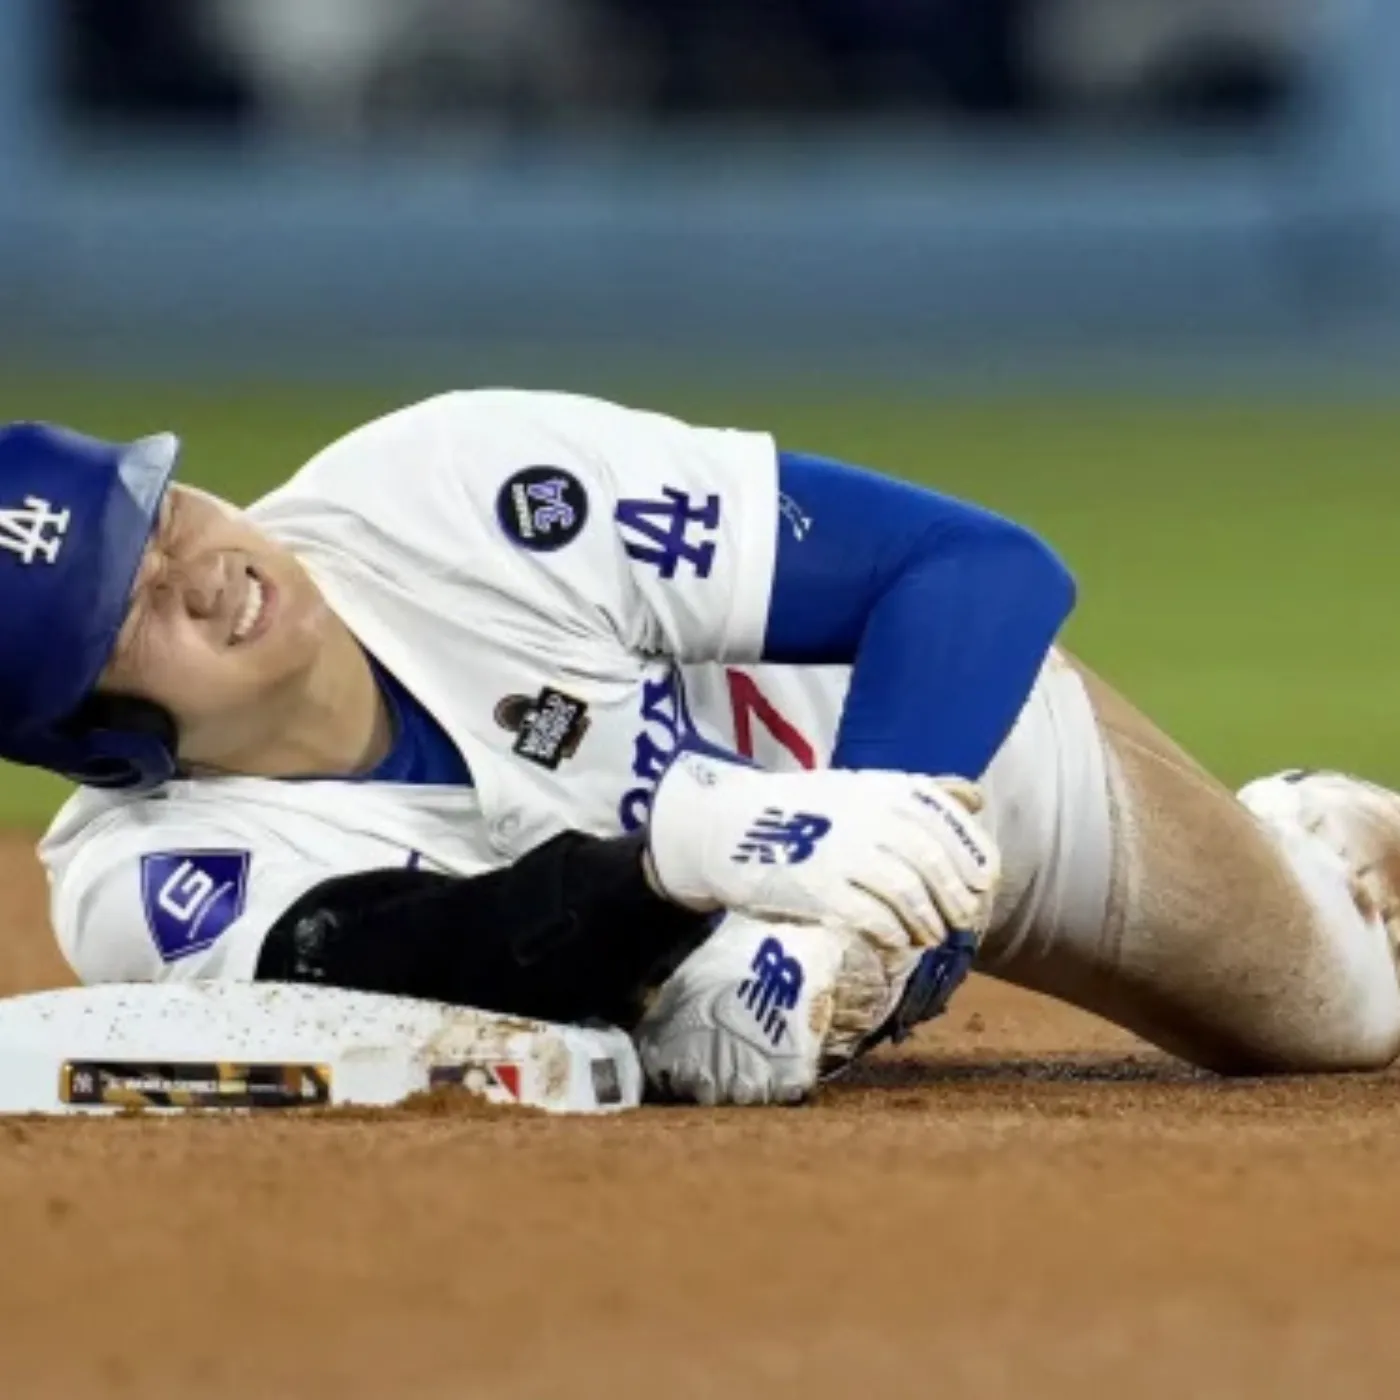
[453,713]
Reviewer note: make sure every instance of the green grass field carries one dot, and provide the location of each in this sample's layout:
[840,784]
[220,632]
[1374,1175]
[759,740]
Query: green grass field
[1237,563]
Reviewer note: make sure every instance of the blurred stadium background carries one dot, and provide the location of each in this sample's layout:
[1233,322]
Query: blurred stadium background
[1125,269]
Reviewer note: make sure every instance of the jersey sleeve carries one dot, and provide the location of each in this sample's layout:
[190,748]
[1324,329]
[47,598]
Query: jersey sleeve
[880,563]
[661,532]
[131,907]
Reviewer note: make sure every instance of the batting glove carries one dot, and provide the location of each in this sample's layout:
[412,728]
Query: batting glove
[743,1020]
[765,1010]
[900,858]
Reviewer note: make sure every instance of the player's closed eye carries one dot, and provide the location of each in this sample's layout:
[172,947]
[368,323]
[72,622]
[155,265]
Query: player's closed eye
[149,576]
[129,638]
[167,522]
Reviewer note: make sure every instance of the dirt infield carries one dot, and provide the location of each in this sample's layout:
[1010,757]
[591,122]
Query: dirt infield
[1029,1205]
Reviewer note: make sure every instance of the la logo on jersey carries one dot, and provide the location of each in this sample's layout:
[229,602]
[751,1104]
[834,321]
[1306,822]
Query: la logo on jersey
[33,531]
[659,532]
[191,898]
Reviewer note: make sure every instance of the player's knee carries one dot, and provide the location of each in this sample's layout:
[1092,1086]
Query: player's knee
[1369,1047]
[1342,1045]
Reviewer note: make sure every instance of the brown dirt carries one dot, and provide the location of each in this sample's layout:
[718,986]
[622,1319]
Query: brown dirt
[1026,1205]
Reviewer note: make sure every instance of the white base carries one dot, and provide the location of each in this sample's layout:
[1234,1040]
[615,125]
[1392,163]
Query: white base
[234,1045]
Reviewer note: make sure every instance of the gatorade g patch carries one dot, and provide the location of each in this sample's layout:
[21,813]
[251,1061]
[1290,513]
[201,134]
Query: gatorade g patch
[191,898]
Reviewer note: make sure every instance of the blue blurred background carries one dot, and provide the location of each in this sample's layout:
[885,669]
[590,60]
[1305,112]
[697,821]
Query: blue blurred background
[1126,269]
[894,187]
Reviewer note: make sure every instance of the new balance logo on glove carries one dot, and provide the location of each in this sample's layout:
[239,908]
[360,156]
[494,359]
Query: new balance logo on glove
[772,988]
[779,839]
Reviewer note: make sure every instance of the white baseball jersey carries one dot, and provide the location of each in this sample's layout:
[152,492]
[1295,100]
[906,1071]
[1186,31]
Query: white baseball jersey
[567,586]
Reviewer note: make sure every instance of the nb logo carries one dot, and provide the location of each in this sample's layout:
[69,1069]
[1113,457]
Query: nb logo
[777,839]
[658,532]
[772,988]
[33,531]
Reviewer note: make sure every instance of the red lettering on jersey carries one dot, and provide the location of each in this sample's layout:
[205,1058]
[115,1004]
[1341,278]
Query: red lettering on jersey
[749,703]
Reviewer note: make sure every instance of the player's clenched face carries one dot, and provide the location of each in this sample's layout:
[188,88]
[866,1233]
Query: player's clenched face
[223,628]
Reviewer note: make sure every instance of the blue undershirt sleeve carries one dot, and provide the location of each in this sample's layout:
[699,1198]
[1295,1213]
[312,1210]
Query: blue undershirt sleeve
[945,612]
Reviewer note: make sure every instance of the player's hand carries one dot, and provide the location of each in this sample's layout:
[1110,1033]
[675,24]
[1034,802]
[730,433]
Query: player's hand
[900,858]
[765,1009]
[744,1018]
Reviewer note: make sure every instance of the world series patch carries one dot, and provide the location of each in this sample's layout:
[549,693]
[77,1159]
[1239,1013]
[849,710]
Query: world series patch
[542,508]
[548,728]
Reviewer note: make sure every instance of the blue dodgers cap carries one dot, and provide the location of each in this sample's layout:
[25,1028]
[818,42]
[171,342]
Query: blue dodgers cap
[76,514]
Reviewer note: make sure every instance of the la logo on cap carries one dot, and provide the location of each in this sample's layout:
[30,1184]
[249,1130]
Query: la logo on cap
[33,531]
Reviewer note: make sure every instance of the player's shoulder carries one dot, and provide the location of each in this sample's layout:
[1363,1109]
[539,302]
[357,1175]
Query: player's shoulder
[109,856]
[95,819]
[97,833]
[423,451]
[481,428]
[438,423]
[95,829]
[507,473]
[144,883]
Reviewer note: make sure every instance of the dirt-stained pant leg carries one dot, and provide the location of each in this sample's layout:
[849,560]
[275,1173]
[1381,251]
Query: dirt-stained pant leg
[1221,943]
